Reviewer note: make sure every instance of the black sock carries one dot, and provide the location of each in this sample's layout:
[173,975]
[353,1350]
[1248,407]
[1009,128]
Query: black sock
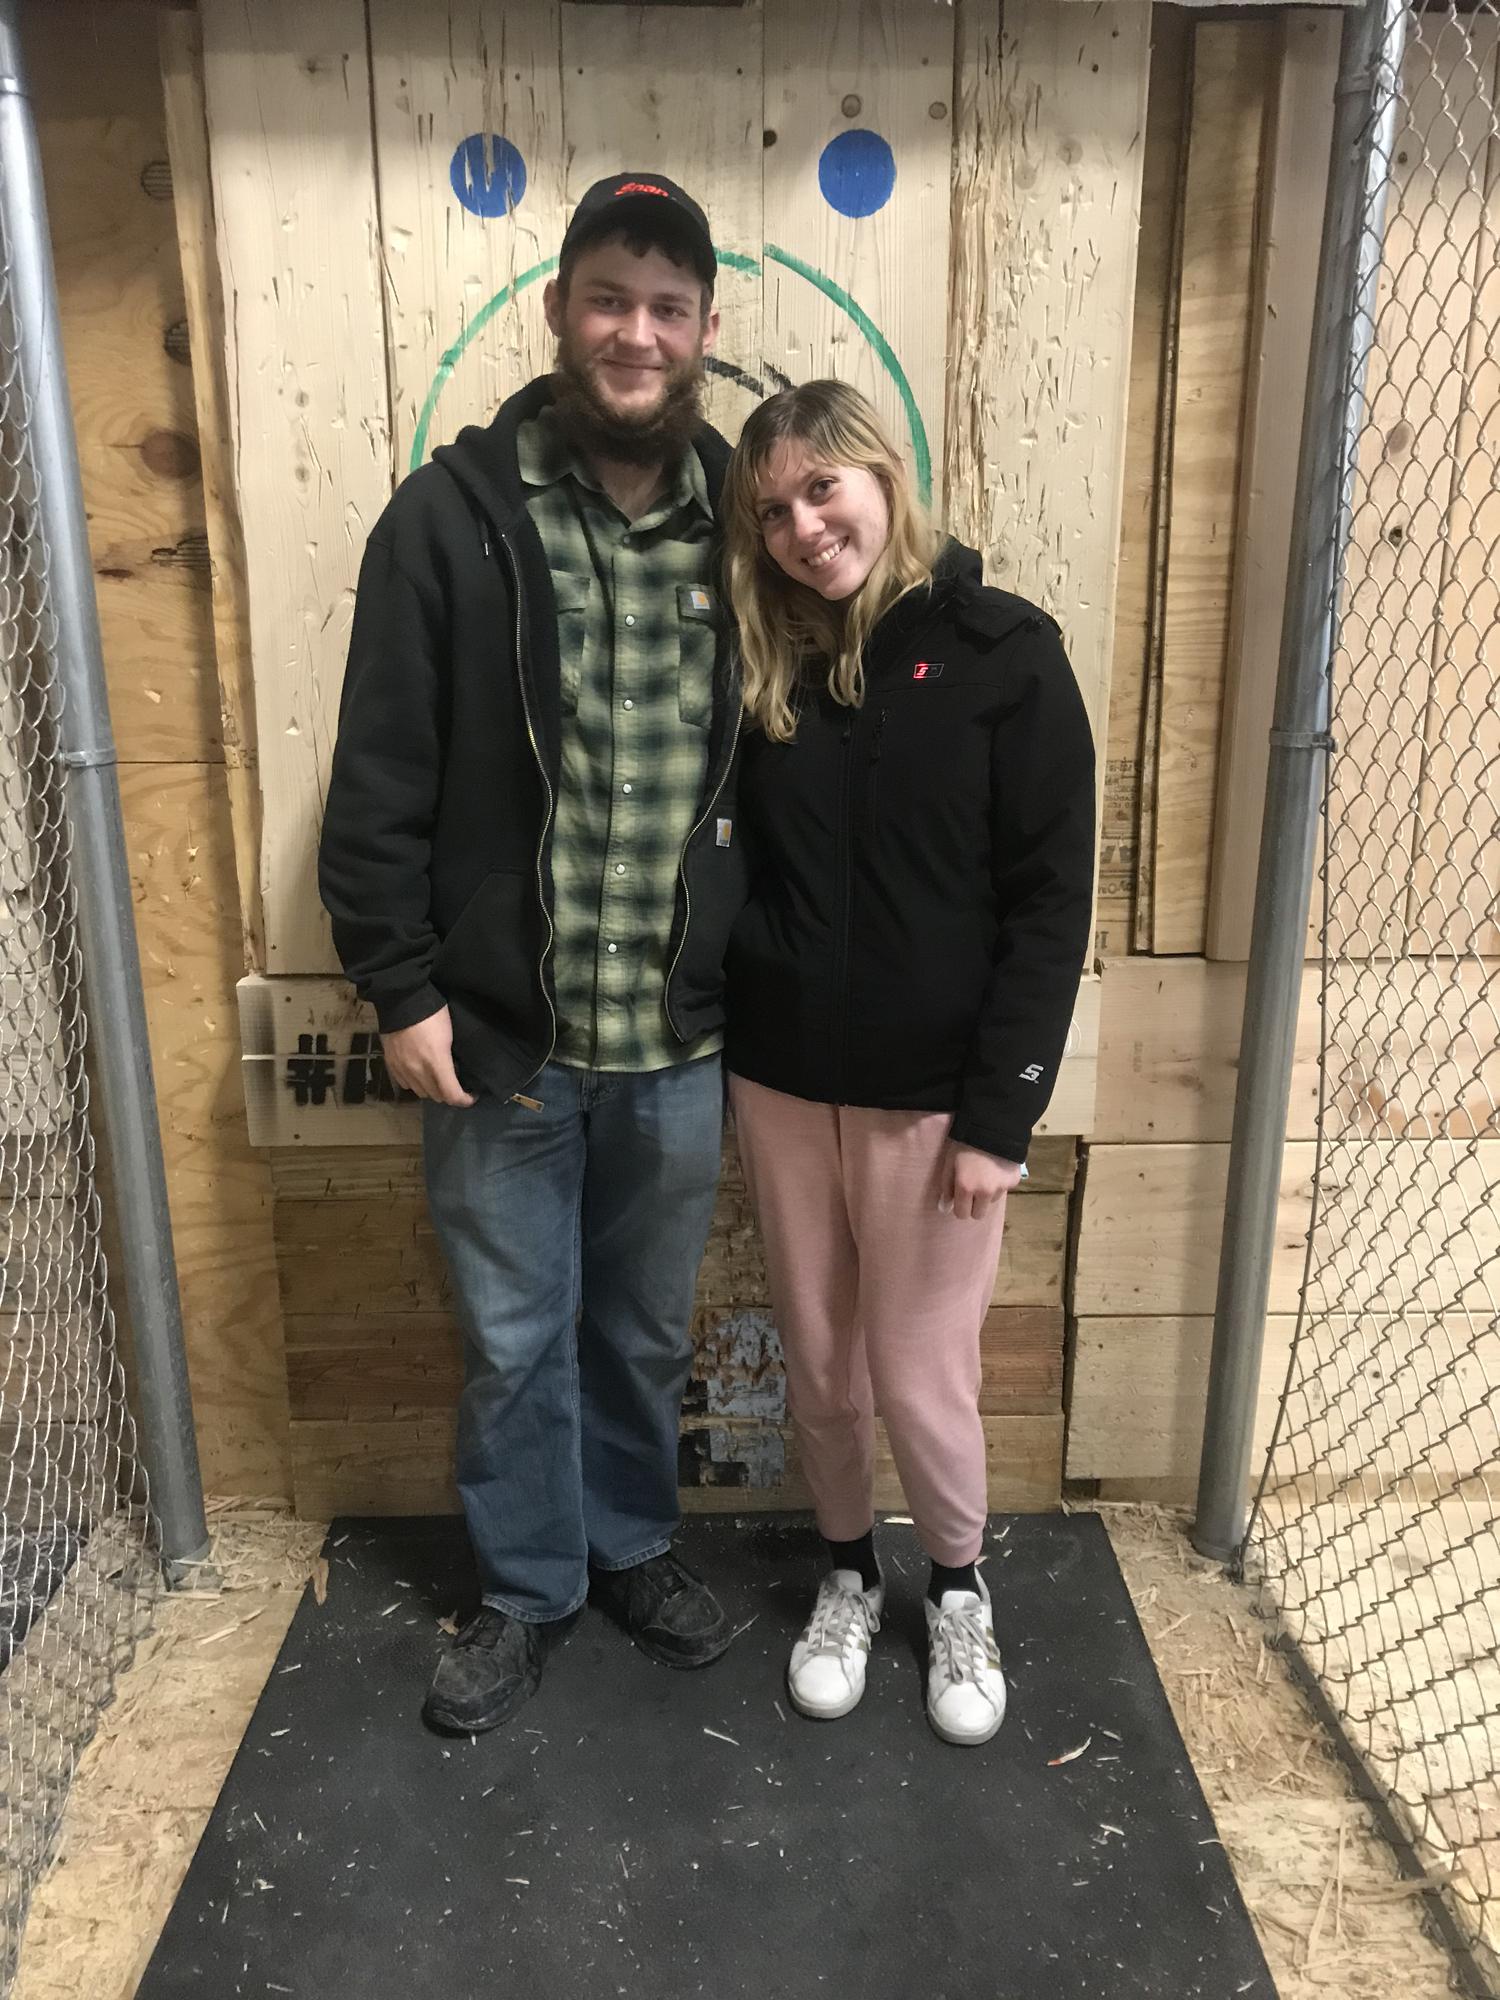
[964,1577]
[858,1555]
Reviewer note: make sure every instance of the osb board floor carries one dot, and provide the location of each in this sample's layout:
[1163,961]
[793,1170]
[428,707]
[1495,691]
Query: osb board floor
[1333,1918]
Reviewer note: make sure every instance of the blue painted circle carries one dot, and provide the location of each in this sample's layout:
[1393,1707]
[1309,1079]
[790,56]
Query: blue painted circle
[857,172]
[488,174]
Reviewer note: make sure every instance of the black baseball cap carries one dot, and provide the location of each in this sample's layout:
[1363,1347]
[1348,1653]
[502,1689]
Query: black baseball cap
[627,199]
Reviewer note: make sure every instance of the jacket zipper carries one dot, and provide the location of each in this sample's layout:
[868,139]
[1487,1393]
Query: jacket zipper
[875,750]
[842,961]
[536,751]
[687,894]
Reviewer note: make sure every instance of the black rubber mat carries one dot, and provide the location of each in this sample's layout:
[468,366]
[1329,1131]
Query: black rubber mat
[654,1834]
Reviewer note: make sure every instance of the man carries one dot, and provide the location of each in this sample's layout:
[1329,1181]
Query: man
[528,857]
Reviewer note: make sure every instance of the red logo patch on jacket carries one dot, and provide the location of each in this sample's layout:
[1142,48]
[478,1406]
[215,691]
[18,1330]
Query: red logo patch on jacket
[926,670]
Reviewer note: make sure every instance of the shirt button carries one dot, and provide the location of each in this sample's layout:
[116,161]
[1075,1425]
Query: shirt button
[611,949]
[624,788]
[629,617]
[629,704]
[619,867]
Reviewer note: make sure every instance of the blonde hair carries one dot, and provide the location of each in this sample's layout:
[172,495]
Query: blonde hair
[785,625]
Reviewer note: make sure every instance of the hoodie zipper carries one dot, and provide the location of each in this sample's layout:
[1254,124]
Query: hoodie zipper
[541,848]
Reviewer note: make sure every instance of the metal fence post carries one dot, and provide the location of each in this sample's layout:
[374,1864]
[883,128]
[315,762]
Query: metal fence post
[106,920]
[1353,234]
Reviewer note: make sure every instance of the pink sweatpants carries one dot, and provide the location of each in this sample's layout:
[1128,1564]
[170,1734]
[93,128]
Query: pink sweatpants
[879,1300]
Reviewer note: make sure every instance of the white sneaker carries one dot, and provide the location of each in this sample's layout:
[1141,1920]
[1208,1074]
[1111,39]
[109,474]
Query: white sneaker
[965,1687]
[826,1676]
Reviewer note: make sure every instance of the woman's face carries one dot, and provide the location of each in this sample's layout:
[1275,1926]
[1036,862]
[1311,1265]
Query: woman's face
[824,525]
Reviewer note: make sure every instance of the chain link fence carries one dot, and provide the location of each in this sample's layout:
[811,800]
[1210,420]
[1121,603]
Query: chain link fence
[1376,1534]
[77,1567]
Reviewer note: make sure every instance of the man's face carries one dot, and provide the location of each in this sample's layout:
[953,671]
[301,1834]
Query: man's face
[633,327]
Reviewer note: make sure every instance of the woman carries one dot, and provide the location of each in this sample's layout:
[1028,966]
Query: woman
[918,797]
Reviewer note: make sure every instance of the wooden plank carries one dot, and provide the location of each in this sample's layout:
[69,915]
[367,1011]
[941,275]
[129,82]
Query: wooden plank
[1293,195]
[312,1075]
[385,1254]
[181,46]
[1231,68]
[347,1173]
[1153,318]
[406,1467]
[1455,900]
[1139,1386]
[1169,1051]
[1405,484]
[470,157]
[387,1365]
[288,94]
[651,88]
[1377,1397]
[858,165]
[1409,1050]
[1057,190]
[1153,1217]
[100,127]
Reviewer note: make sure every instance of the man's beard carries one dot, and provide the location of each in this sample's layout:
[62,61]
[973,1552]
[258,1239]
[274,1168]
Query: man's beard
[598,430]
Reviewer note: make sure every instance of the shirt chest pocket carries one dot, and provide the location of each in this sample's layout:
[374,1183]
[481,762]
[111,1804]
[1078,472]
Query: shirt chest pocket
[576,632]
[698,618]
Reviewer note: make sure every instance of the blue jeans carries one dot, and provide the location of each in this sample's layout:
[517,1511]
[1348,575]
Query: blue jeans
[573,1235]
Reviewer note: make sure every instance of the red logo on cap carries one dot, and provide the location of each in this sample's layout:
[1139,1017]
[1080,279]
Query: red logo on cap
[640,187]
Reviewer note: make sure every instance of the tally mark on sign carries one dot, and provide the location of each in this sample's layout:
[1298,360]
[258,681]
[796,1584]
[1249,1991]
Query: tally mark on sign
[312,1074]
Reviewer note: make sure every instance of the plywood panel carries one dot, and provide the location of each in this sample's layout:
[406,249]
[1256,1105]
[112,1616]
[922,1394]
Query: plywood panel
[100,126]
[178,844]
[288,97]
[858,162]
[470,155]
[1292,200]
[654,87]
[1232,63]
[1058,195]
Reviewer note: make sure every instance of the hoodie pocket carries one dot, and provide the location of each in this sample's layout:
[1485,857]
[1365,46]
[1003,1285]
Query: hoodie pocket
[574,596]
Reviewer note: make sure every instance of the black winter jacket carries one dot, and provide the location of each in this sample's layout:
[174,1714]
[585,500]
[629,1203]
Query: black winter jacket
[922,872]
[436,863]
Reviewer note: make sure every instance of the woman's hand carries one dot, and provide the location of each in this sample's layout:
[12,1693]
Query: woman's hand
[973,1182]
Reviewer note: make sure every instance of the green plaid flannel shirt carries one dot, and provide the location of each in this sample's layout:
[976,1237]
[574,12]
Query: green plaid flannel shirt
[637,700]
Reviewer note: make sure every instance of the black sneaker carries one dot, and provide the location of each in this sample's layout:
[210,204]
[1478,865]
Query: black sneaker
[665,1609]
[490,1670]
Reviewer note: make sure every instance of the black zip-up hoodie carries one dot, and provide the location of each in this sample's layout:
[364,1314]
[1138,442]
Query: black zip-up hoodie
[922,872]
[435,863]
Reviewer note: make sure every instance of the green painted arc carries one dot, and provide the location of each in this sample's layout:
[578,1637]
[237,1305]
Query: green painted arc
[735,260]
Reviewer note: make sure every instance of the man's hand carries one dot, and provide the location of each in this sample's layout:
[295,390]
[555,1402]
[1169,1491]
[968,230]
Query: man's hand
[420,1058]
[973,1182]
